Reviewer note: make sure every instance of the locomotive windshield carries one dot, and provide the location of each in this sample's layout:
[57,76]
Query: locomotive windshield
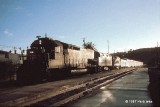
[43,48]
[35,53]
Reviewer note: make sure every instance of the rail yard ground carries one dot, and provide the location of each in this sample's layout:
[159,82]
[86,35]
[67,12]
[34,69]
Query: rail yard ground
[36,94]
[130,90]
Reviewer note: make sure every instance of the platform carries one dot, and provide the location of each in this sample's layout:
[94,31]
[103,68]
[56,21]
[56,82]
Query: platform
[130,90]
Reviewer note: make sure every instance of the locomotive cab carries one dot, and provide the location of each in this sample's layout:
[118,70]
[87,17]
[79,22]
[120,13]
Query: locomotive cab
[42,51]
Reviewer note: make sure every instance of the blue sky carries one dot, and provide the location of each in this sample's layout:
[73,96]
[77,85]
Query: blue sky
[127,24]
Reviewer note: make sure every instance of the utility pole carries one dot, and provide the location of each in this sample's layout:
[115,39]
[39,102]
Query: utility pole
[157,53]
[46,35]
[15,51]
[108,46]
[84,41]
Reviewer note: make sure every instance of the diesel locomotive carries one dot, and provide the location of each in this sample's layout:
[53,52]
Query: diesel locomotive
[50,59]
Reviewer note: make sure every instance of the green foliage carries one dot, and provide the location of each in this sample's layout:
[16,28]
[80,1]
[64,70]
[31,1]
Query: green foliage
[150,56]
[89,45]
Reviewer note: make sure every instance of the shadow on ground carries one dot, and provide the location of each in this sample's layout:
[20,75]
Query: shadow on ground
[154,85]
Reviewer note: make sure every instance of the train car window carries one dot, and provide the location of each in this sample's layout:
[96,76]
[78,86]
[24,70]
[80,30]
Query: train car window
[31,52]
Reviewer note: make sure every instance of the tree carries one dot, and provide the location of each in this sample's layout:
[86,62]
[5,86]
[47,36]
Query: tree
[89,45]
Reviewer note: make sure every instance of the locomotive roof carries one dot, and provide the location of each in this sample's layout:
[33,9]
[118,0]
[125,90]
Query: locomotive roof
[46,42]
[6,52]
[70,46]
[49,42]
[3,52]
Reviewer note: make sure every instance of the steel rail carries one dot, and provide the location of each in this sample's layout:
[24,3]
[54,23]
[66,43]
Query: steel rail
[73,92]
[89,87]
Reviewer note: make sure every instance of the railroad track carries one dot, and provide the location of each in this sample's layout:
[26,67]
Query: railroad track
[67,93]
[81,90]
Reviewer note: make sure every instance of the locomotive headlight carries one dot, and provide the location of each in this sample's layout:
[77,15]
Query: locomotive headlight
[40,42]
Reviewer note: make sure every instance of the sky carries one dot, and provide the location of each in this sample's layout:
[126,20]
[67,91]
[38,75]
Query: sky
[126,24]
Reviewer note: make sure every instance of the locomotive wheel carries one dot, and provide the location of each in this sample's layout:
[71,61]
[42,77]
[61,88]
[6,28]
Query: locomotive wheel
[67,72]
[21,77]
[92,70]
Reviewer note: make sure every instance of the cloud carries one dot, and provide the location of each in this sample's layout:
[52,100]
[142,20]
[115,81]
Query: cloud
[6,32]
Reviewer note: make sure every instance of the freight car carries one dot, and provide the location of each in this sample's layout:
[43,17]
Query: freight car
[101,61]
[130,63]
[116,62]
[105,61]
